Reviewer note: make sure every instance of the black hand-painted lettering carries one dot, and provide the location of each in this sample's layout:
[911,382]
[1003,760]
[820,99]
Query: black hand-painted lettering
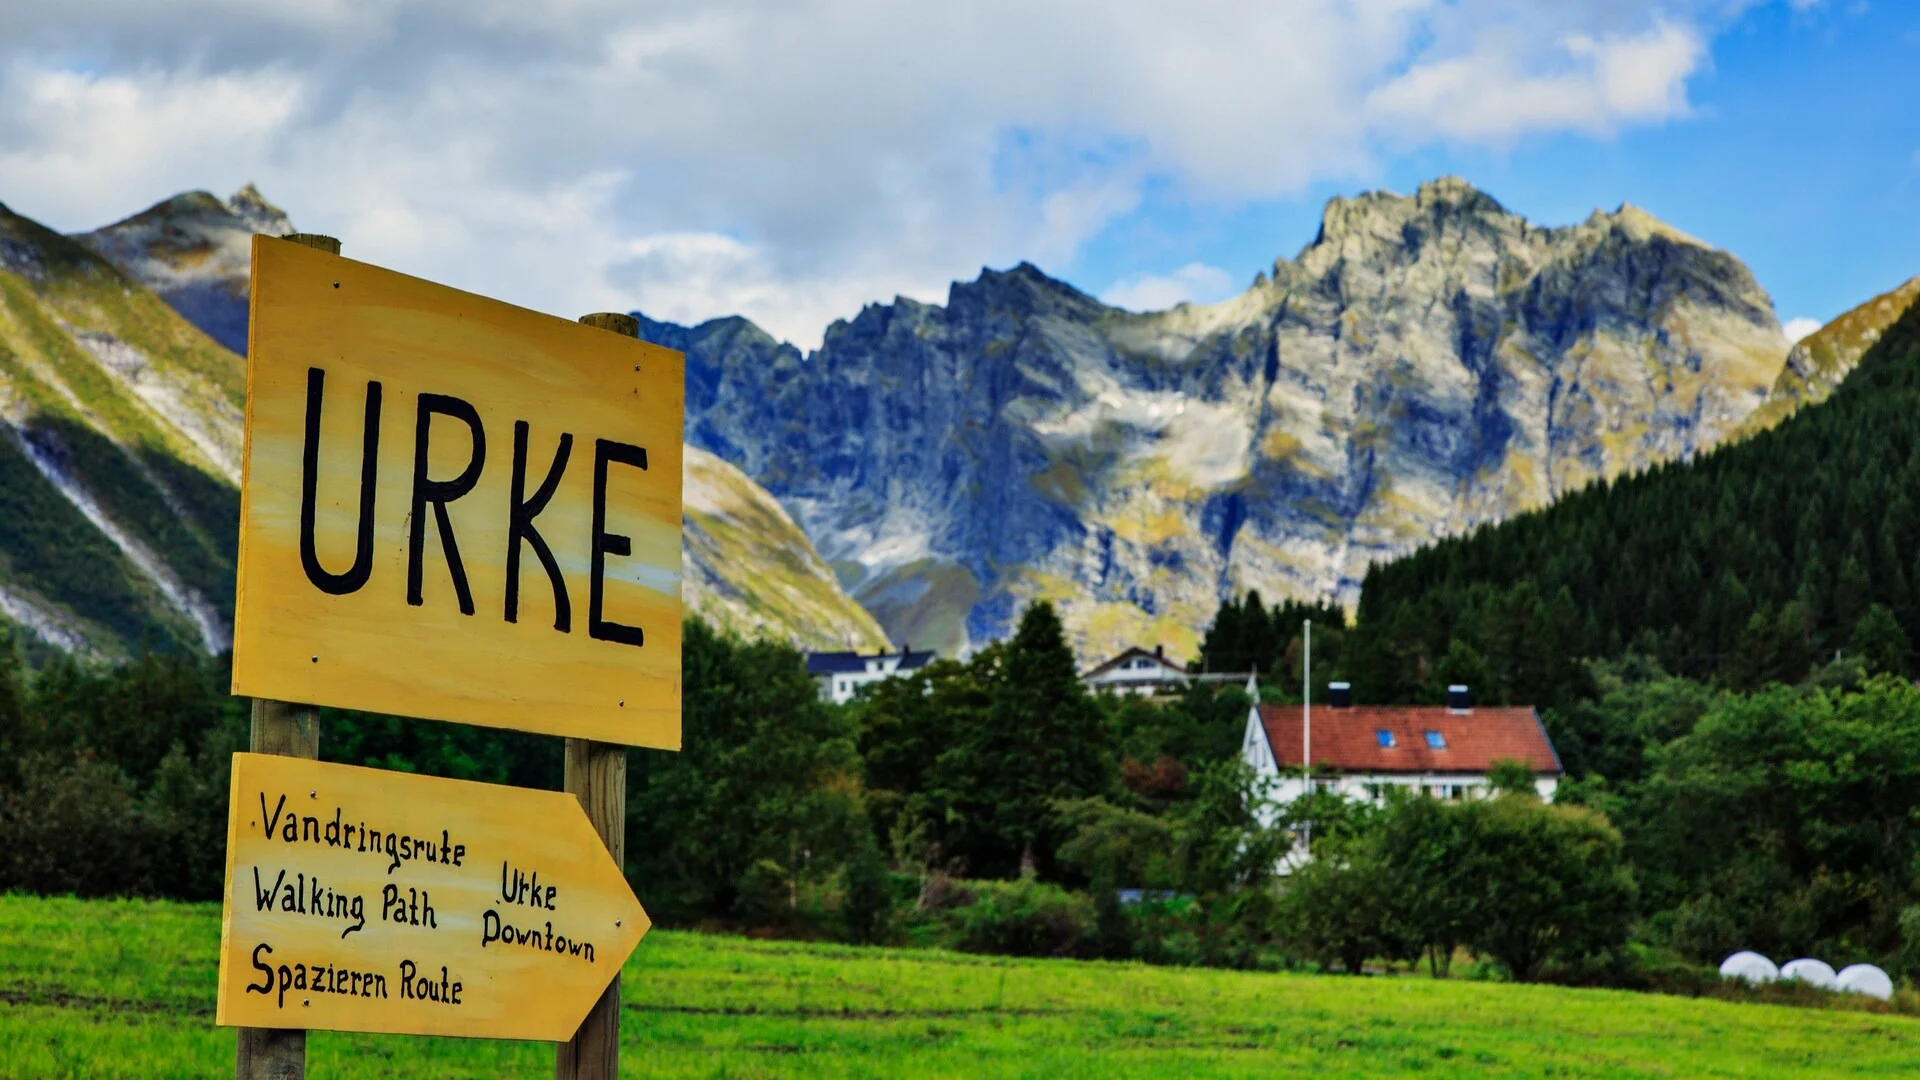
[265,970]
[605,543]
[356,575]
[520,515]
[271,822]
[440,493]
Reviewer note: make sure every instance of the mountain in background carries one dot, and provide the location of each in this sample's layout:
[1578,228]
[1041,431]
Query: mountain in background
[747,568]
[120,444]
[195,251]
[1427,364]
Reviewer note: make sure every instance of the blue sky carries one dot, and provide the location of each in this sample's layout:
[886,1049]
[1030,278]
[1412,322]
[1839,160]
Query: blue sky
[1800,154]
[792,160]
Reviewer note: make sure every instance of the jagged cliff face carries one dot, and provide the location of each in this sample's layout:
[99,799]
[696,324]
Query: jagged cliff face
[1426,364]
[194,251]
[120,443]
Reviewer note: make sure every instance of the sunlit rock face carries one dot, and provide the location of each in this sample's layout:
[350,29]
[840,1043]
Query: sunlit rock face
[1426,364]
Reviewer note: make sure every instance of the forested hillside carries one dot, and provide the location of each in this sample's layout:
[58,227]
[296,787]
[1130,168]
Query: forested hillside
[1748,564]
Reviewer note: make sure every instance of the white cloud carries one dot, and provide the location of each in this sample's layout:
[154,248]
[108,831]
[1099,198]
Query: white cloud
[1795,329]
[1195,282]
[788,159]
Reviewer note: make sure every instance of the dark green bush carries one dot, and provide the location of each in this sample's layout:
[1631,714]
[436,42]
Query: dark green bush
[1027,917]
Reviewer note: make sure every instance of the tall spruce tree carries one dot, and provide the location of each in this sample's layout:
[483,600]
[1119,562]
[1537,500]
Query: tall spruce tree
[1041,742]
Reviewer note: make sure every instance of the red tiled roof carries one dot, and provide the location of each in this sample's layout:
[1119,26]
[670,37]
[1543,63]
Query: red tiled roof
[1347,739]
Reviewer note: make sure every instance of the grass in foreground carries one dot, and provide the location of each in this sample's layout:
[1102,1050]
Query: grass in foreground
[126,989]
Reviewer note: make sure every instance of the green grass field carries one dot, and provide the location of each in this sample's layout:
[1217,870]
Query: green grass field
[126,989]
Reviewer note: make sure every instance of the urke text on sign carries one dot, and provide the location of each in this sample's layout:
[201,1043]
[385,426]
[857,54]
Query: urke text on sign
[457,509]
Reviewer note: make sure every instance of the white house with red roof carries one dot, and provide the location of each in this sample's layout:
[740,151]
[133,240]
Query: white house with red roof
[1445,751]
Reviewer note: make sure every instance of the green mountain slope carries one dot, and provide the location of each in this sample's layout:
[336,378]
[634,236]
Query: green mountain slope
[119,447]
[120,444]
[728,523]
[1750,562]
[1823,358]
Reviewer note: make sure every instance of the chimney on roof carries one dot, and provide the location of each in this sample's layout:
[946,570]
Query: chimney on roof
[1160,651]
[1339,695]
[1458,700]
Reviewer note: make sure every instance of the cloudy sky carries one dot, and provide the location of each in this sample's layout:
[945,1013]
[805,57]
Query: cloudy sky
[794,159]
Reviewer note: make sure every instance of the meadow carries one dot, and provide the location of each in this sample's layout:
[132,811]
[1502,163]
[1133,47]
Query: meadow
[126,989]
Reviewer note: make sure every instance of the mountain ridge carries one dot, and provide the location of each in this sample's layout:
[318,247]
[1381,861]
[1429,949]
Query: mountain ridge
[1425,364]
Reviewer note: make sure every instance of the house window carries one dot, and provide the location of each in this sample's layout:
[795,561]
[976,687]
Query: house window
[1436,741]
[1385,737]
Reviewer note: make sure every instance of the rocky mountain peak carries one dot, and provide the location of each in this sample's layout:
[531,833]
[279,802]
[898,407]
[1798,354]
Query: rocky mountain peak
[1429,362]
[1641,226]
[254,211]
[196,251]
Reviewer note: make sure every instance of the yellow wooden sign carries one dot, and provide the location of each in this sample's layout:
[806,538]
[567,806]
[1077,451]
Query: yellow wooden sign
[456,509]
[366,900]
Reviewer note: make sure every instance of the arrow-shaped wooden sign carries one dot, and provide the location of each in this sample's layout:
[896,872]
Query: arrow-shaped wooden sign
[367,900]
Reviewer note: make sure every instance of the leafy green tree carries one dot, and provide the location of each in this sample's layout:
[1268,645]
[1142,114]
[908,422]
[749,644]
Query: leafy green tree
[766,786]
[1638,708]
[1463,665]
[1510,777]
[913,733]
[1795,813]
[1551,883]
[1429,901]
[1336,905]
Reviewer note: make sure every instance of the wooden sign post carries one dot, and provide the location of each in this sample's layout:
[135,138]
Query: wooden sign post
[596,774]
[453,509]
[291,730]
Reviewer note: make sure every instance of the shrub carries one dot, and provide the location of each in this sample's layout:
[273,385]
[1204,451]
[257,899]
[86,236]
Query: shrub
[74,826]
[1027,917]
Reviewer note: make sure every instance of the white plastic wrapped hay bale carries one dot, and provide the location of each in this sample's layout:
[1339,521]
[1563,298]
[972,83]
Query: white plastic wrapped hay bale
[1749,967]
[1865,979]
[1812,972]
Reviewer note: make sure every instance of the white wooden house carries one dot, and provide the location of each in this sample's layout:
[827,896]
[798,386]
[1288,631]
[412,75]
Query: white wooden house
[842,674]
[1137,671]
[1444,751]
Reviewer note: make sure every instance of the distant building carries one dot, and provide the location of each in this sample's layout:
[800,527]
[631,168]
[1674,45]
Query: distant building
[842,674]
[1138,671]
[1444,751]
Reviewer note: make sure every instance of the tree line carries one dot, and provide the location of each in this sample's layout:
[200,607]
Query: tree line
[995,805]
